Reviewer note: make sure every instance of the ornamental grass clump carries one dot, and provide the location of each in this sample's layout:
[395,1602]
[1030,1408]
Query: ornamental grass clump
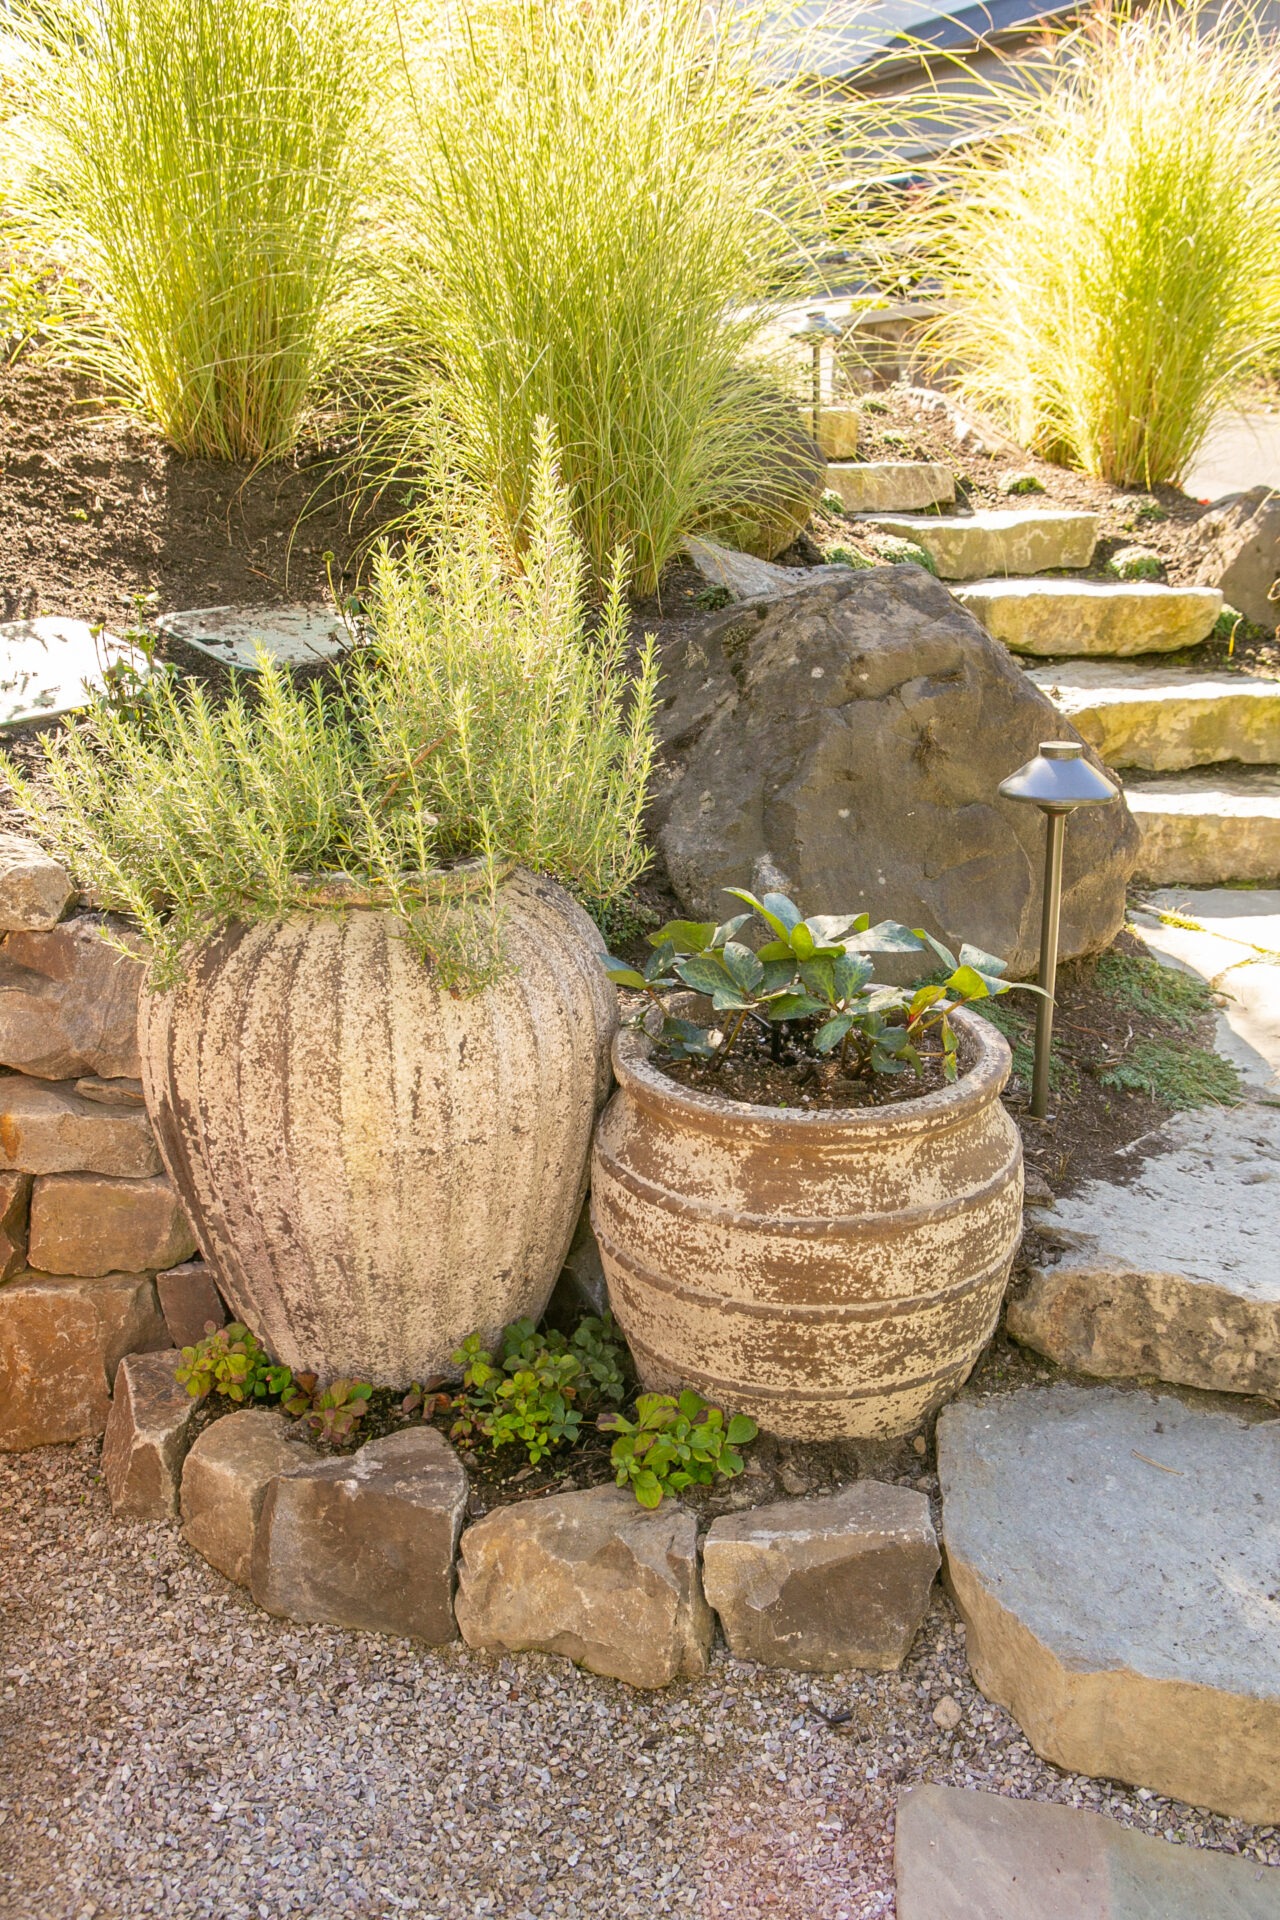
[489,722]
[200,166]
[602,207]
[1113,262]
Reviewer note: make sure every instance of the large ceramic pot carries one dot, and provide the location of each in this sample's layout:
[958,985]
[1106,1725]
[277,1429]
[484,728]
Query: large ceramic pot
[830,1273]
[375,1168]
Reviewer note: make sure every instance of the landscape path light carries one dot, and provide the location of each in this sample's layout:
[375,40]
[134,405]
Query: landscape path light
[1057,781]
[817,327]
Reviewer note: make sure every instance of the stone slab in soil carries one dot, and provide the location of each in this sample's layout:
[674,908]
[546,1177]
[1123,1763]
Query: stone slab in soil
[69,1002]
[960,1855]
[1176,1272]
[50,666]
[1201,828]
[744,577]
[49,1127]
[366,1540]
[147,1435]
[190,1302]
[86,1223]
[1116,1558]
[290,636]
[823,1585]
[891,486]
[1166,719]
[225,1480]
[61,1341]
[1081,617]
[593,1576]
[1233,943]
[998,541]
[34,889]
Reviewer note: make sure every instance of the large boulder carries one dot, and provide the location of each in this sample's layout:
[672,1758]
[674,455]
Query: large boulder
[1236,546]
[846,746]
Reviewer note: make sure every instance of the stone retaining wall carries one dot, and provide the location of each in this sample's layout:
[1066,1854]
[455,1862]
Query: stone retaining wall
[87,1216]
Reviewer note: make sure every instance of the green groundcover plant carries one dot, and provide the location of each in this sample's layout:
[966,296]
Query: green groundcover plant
[538,1388]
[1112,261]
[601,207]
[202,167]
[489,721]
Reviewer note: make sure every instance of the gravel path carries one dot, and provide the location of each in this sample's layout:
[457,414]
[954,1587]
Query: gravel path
[166,1749]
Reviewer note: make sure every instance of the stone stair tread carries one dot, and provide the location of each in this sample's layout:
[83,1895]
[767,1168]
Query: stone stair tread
[1074,618]
[1173,1273]
[1207,826]
[891,486]
[1166,719]
[997,540]
[1113,1555]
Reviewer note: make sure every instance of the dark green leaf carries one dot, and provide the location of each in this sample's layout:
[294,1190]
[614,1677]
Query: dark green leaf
[832,1032]
[703,973]
[746,969]
[684,936]
[622,972]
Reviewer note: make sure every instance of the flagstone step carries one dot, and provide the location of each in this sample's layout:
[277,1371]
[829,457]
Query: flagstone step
[1199,829]
[1114,1557]
[891,486]
[1082,617]
[997,540]
[961,1855]
[1166,719]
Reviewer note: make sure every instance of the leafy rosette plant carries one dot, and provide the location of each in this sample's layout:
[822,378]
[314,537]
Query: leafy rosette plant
[810,983]
[675,1443]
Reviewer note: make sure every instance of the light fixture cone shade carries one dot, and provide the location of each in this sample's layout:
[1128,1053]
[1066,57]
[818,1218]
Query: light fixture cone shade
[1059,778]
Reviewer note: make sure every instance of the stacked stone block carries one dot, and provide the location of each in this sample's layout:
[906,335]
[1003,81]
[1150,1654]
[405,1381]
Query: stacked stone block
[87,1215]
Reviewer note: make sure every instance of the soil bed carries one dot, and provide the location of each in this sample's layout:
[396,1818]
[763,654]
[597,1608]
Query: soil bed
[798,1081]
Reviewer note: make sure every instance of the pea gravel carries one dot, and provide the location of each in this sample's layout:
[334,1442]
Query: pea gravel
[168,1750]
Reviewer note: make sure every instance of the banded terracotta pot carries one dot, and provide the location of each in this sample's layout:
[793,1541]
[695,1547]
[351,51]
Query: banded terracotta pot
[375,1168]
[831,1274]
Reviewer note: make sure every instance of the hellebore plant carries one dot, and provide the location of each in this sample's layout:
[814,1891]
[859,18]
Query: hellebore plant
[811,985]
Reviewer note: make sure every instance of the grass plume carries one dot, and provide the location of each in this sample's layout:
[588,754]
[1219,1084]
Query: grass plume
[1113,260]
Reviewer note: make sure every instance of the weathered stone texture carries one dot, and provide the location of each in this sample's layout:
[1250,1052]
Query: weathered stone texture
[225,1481]
[744,577]
[366,1541]
[590,1575]
[891,486]
[34,889]
[1081,617]
[846,746]
[822,1585]
[147,1435]
[85,1223]
[15,1201]
[189,1301]
[1236,546]
[1174,1273]
[1114,1556]
[998,540]
[69,1003]
[1202,828]
[51,1128]
[61,1340]
[961,1855]
[1166,719]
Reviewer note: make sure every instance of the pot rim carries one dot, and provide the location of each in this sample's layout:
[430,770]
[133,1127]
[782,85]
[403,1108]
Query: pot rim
[977,1086]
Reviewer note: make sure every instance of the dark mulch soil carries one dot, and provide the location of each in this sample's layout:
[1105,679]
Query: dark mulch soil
[95,509]
[797,1080]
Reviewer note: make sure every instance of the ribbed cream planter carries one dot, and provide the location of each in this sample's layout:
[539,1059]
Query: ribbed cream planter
[831,1274]
[375,1168]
